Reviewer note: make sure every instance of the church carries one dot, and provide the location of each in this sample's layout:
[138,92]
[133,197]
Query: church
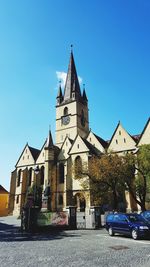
[53,165]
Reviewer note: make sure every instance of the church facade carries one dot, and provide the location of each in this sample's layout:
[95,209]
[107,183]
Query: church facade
[74,142]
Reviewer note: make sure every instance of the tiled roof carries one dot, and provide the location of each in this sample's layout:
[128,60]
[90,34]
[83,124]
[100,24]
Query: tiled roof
[35,152]
[136,137]
[91,148]
[3,190]
[102,141]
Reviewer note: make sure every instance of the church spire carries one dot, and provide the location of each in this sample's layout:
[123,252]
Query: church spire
[84,94]
[72,87]
[59,95]
[49,142]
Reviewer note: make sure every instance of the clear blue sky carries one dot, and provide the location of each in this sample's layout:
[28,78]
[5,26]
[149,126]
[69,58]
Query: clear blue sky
[112,54]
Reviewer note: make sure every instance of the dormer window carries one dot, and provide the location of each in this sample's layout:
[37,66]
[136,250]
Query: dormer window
[119,132]
[116,141]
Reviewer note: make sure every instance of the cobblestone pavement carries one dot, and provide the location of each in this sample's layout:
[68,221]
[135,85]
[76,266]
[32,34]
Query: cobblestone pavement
[88,248]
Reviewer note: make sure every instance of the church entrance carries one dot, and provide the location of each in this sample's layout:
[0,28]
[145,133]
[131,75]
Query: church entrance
[80,204]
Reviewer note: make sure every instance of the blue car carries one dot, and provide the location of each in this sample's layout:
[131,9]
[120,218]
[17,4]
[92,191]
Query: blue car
[130,224]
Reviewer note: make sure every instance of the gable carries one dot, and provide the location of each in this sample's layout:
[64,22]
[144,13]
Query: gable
[145,136]
[65,149]
[92,139]
[41,157]
[78,146]
[121,140]
[26,158]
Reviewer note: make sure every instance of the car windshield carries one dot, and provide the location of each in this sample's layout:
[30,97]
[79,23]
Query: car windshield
[136,218]
[146,214]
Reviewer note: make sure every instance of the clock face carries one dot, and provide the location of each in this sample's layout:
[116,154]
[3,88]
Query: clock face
[65,120]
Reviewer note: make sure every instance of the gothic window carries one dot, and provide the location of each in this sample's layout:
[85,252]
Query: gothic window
[60,200]
[19,178]
[65,111]
[61,173]
[30,177]
[78,165]
[17,199]
[42,175]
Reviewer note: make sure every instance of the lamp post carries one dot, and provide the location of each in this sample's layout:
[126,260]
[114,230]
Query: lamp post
[36,171]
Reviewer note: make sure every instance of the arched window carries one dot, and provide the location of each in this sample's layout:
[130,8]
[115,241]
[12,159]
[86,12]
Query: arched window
[78,166]
[42,175]
[17,199]
[80,202]
[60,200]
[19,178]
[61,173]
[65,111]
[30,177]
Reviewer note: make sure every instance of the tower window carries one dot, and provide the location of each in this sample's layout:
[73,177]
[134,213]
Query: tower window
[17,199]
[42,175]
[19,178]
[78,146]
[65,111]
[61,173]
[60,201]
[78,166]
[30,177]
[116,141]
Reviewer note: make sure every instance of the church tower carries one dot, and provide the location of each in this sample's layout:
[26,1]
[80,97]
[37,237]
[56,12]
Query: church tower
[71,108]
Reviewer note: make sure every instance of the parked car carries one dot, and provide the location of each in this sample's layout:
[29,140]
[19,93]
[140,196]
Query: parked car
[146,215]
[130,224]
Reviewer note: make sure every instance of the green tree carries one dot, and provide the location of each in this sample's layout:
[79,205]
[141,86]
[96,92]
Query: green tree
[137,180]
[105,178]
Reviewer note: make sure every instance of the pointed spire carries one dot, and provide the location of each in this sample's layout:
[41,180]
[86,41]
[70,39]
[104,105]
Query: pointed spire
[84,94]
[72,83]
[59,95]
[49,142]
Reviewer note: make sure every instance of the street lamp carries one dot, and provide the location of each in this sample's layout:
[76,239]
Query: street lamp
[36,171]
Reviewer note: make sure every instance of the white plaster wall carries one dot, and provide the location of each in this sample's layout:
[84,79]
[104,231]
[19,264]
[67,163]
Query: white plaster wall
[145,139]
[122,142]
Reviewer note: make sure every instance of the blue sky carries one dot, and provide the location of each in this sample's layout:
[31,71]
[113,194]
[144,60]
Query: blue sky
[111,49]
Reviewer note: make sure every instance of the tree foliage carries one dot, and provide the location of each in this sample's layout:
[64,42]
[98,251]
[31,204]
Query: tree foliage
[111,174]
[139,184]
[105,178]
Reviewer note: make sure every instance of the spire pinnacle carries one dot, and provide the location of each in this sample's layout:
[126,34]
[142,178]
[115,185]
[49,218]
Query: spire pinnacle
[49,142]
[59,95]
[72,86]
[84,94]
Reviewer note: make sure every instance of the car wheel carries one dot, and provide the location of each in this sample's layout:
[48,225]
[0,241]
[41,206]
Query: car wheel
[110,231]
[134,234]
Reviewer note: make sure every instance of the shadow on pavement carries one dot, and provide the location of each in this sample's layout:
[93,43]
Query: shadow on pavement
[12,233]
